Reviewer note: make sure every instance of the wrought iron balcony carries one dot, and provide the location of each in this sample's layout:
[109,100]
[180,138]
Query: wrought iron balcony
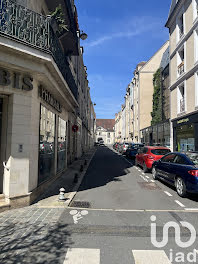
[182,105]
[32,29]
[181,68]
[20,23]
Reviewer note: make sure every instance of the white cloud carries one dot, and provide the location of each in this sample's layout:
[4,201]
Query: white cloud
[135,26]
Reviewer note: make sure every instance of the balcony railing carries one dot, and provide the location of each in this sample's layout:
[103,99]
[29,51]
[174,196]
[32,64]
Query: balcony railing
[32,29]
[181,68]
[182,105]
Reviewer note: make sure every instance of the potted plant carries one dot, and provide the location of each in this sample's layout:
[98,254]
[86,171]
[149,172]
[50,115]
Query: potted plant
[57,21]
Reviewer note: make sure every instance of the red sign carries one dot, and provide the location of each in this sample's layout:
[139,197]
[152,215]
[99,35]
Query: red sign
[74,128]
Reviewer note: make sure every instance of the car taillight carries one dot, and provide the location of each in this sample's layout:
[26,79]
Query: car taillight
[150,157]
[193,173]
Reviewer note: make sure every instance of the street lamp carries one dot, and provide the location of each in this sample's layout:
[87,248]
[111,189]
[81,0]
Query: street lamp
[83,35]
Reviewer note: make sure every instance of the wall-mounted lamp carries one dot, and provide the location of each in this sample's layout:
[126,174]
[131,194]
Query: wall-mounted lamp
[83,35]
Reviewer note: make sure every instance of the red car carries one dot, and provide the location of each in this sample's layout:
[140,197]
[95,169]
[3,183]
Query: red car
[148,154]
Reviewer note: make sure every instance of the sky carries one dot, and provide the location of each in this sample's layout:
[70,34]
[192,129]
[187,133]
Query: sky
[121,33]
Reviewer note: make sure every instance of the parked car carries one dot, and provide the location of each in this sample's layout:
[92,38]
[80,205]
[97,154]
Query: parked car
[96,144]
[179,170]
[123,148]
[148,154]
[101,143]
[133,149]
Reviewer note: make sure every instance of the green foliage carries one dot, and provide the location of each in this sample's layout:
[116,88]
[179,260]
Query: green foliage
[59,17]
[157,99]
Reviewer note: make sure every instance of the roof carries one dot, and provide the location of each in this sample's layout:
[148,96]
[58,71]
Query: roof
[165,59]
[106,124]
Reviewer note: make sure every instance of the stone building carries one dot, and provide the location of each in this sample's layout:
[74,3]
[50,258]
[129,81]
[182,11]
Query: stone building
[158,133]
[39,97]
[143,92]
[105,130]
[183,33]
[118,127]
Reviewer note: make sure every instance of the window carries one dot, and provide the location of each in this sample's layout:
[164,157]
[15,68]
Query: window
[169,158]
[180,61]
[195,9]
[46,149]
[160,152]
[181,98]
[145,150]
[180,21]
[61,145]
[180,160]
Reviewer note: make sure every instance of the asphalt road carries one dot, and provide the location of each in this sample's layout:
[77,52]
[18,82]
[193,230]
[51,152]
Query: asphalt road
[109,222]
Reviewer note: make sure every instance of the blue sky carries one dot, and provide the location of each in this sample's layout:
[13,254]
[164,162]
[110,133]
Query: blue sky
[121,33]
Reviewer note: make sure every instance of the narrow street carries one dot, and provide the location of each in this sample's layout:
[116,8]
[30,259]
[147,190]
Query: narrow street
[108,221]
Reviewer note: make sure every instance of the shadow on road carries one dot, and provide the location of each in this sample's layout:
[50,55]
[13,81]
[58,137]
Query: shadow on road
[106,166]
[27,243]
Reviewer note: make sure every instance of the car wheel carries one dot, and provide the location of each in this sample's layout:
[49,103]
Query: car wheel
[145,169]
[180,187]
[154,173]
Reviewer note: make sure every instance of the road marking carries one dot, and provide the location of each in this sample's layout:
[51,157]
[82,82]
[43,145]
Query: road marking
[169,194]
[178,202]
[77,215]
[82,256]
[191,209]
[143,178]
[152,181]
[147,177]
[150,257]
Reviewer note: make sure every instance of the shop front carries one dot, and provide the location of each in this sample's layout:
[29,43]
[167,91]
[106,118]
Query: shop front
[158,134]
[185,133]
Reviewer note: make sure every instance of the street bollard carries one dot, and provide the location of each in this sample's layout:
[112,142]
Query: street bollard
[76,178]
[61,197]
[81,168]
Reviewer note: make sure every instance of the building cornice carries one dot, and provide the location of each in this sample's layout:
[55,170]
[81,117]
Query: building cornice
[173,15]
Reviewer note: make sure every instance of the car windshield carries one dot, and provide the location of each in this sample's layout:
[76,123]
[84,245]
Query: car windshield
[193,157]
[160,151]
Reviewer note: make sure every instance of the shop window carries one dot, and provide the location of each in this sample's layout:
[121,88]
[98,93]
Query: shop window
[185,138]
[46,146]
[196,89]
[61,145]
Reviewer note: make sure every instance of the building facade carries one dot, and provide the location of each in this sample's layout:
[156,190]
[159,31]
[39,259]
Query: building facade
[183,32]
[143,92]
[118,127]
[159,131]
[39,101]
[105,130]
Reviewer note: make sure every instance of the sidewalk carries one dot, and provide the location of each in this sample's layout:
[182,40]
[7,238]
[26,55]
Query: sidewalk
[49,199]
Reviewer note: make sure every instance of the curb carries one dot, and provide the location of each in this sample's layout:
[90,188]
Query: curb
[76,187]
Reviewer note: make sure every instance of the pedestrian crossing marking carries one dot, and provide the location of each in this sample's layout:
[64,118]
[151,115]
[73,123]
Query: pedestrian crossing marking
[150,257]
[82,256]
